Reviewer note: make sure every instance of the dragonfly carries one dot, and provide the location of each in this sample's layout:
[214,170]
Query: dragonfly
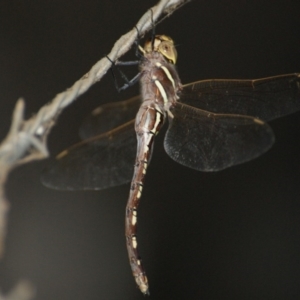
[212,125]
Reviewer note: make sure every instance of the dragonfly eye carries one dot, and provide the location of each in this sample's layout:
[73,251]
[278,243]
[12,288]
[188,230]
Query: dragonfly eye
[167,49]
[164,45]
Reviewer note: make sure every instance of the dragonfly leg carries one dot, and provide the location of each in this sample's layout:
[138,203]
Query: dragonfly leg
[128,82]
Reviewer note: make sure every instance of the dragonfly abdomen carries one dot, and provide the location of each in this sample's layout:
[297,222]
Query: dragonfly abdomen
[149,120]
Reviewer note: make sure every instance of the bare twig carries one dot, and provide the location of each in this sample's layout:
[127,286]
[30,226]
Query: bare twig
[27,139]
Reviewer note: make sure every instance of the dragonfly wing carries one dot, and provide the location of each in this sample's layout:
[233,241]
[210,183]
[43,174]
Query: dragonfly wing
[97,163]
[266,98]
[206,141]
[109,116]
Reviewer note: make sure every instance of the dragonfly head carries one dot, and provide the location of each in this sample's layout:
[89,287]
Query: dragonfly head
[164,45]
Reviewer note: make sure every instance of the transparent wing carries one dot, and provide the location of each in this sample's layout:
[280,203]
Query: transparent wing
[206,141]
[109,116]
[97,163]
[196,138]
[266,99]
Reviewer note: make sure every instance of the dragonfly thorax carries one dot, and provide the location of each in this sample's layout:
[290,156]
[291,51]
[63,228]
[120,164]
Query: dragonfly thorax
[159,80]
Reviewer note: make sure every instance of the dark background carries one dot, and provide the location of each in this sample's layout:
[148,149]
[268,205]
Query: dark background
[228,235]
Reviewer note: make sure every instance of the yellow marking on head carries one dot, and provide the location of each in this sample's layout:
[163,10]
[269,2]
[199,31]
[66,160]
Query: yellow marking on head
[164,45]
